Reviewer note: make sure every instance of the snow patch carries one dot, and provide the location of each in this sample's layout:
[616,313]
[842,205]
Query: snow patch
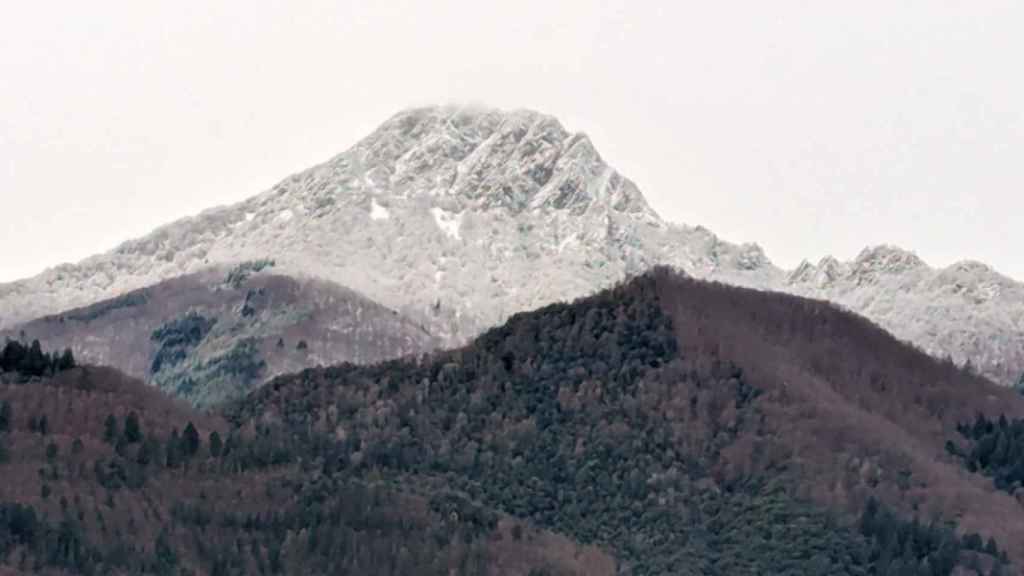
[249,216]
[285,215]
[566,242]
[378,212]
[448,223]
[601,184]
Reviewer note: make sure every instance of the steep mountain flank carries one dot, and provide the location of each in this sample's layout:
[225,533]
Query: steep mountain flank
[447,214]
[215,334]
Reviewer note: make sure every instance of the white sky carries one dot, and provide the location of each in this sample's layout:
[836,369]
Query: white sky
[808,127]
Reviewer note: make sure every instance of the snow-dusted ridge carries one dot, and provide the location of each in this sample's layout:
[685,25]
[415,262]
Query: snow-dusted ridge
[460,217]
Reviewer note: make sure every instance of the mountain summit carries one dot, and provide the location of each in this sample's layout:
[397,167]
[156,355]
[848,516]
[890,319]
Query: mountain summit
[459,217]
[448,214]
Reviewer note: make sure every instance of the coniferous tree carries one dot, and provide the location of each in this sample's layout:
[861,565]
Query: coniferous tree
[5,416]
[216,445]
[174,449]
[149,452]
[190,440]
[35,362]
[110,432]
[132,429]
[12,356]
[66,361]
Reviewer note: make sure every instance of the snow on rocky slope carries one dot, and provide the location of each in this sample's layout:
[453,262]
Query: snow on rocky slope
[967,311]
[459,217]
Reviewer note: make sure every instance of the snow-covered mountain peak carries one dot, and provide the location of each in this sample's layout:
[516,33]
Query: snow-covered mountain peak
[483,159]
[886,259]
[461,216]
[447,213]
[827,271]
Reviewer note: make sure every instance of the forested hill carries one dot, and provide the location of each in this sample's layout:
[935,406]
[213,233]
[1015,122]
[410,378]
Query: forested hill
[103,474]
[686,427]
[666,426]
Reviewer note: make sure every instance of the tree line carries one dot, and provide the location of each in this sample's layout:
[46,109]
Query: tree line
[30,360]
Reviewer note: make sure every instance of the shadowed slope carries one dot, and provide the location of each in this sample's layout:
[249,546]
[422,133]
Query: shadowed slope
[214,335]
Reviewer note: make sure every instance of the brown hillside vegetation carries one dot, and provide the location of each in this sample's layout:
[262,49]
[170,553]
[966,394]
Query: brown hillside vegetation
[689,427]
[216,334]
[848,409]
[77,500]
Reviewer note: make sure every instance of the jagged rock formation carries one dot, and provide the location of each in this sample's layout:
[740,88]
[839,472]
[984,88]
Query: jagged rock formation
[967,311]
[459,217]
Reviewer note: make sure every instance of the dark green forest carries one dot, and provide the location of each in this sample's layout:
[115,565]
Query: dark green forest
[30,360]
[995,449]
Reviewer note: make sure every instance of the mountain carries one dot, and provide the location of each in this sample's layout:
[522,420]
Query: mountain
[688,428]
[445,214]
[966,311]
[460,217]
[664,426]
[211,336]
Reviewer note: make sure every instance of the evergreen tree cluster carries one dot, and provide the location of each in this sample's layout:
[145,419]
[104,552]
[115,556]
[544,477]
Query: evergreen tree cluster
[138,454]
[59,545]
[175,339]
[30,360]
[996,449]
[910,548]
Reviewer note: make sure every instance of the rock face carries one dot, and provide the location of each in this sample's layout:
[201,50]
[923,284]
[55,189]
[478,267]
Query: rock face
[212,336]
[460,217]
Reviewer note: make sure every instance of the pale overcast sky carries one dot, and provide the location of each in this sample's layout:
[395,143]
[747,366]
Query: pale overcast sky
[811,128]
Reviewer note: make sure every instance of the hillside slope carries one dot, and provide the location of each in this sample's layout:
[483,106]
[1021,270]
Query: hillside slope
[688,427]
[213,335]
[450,215]
[105,475]
[665,426]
